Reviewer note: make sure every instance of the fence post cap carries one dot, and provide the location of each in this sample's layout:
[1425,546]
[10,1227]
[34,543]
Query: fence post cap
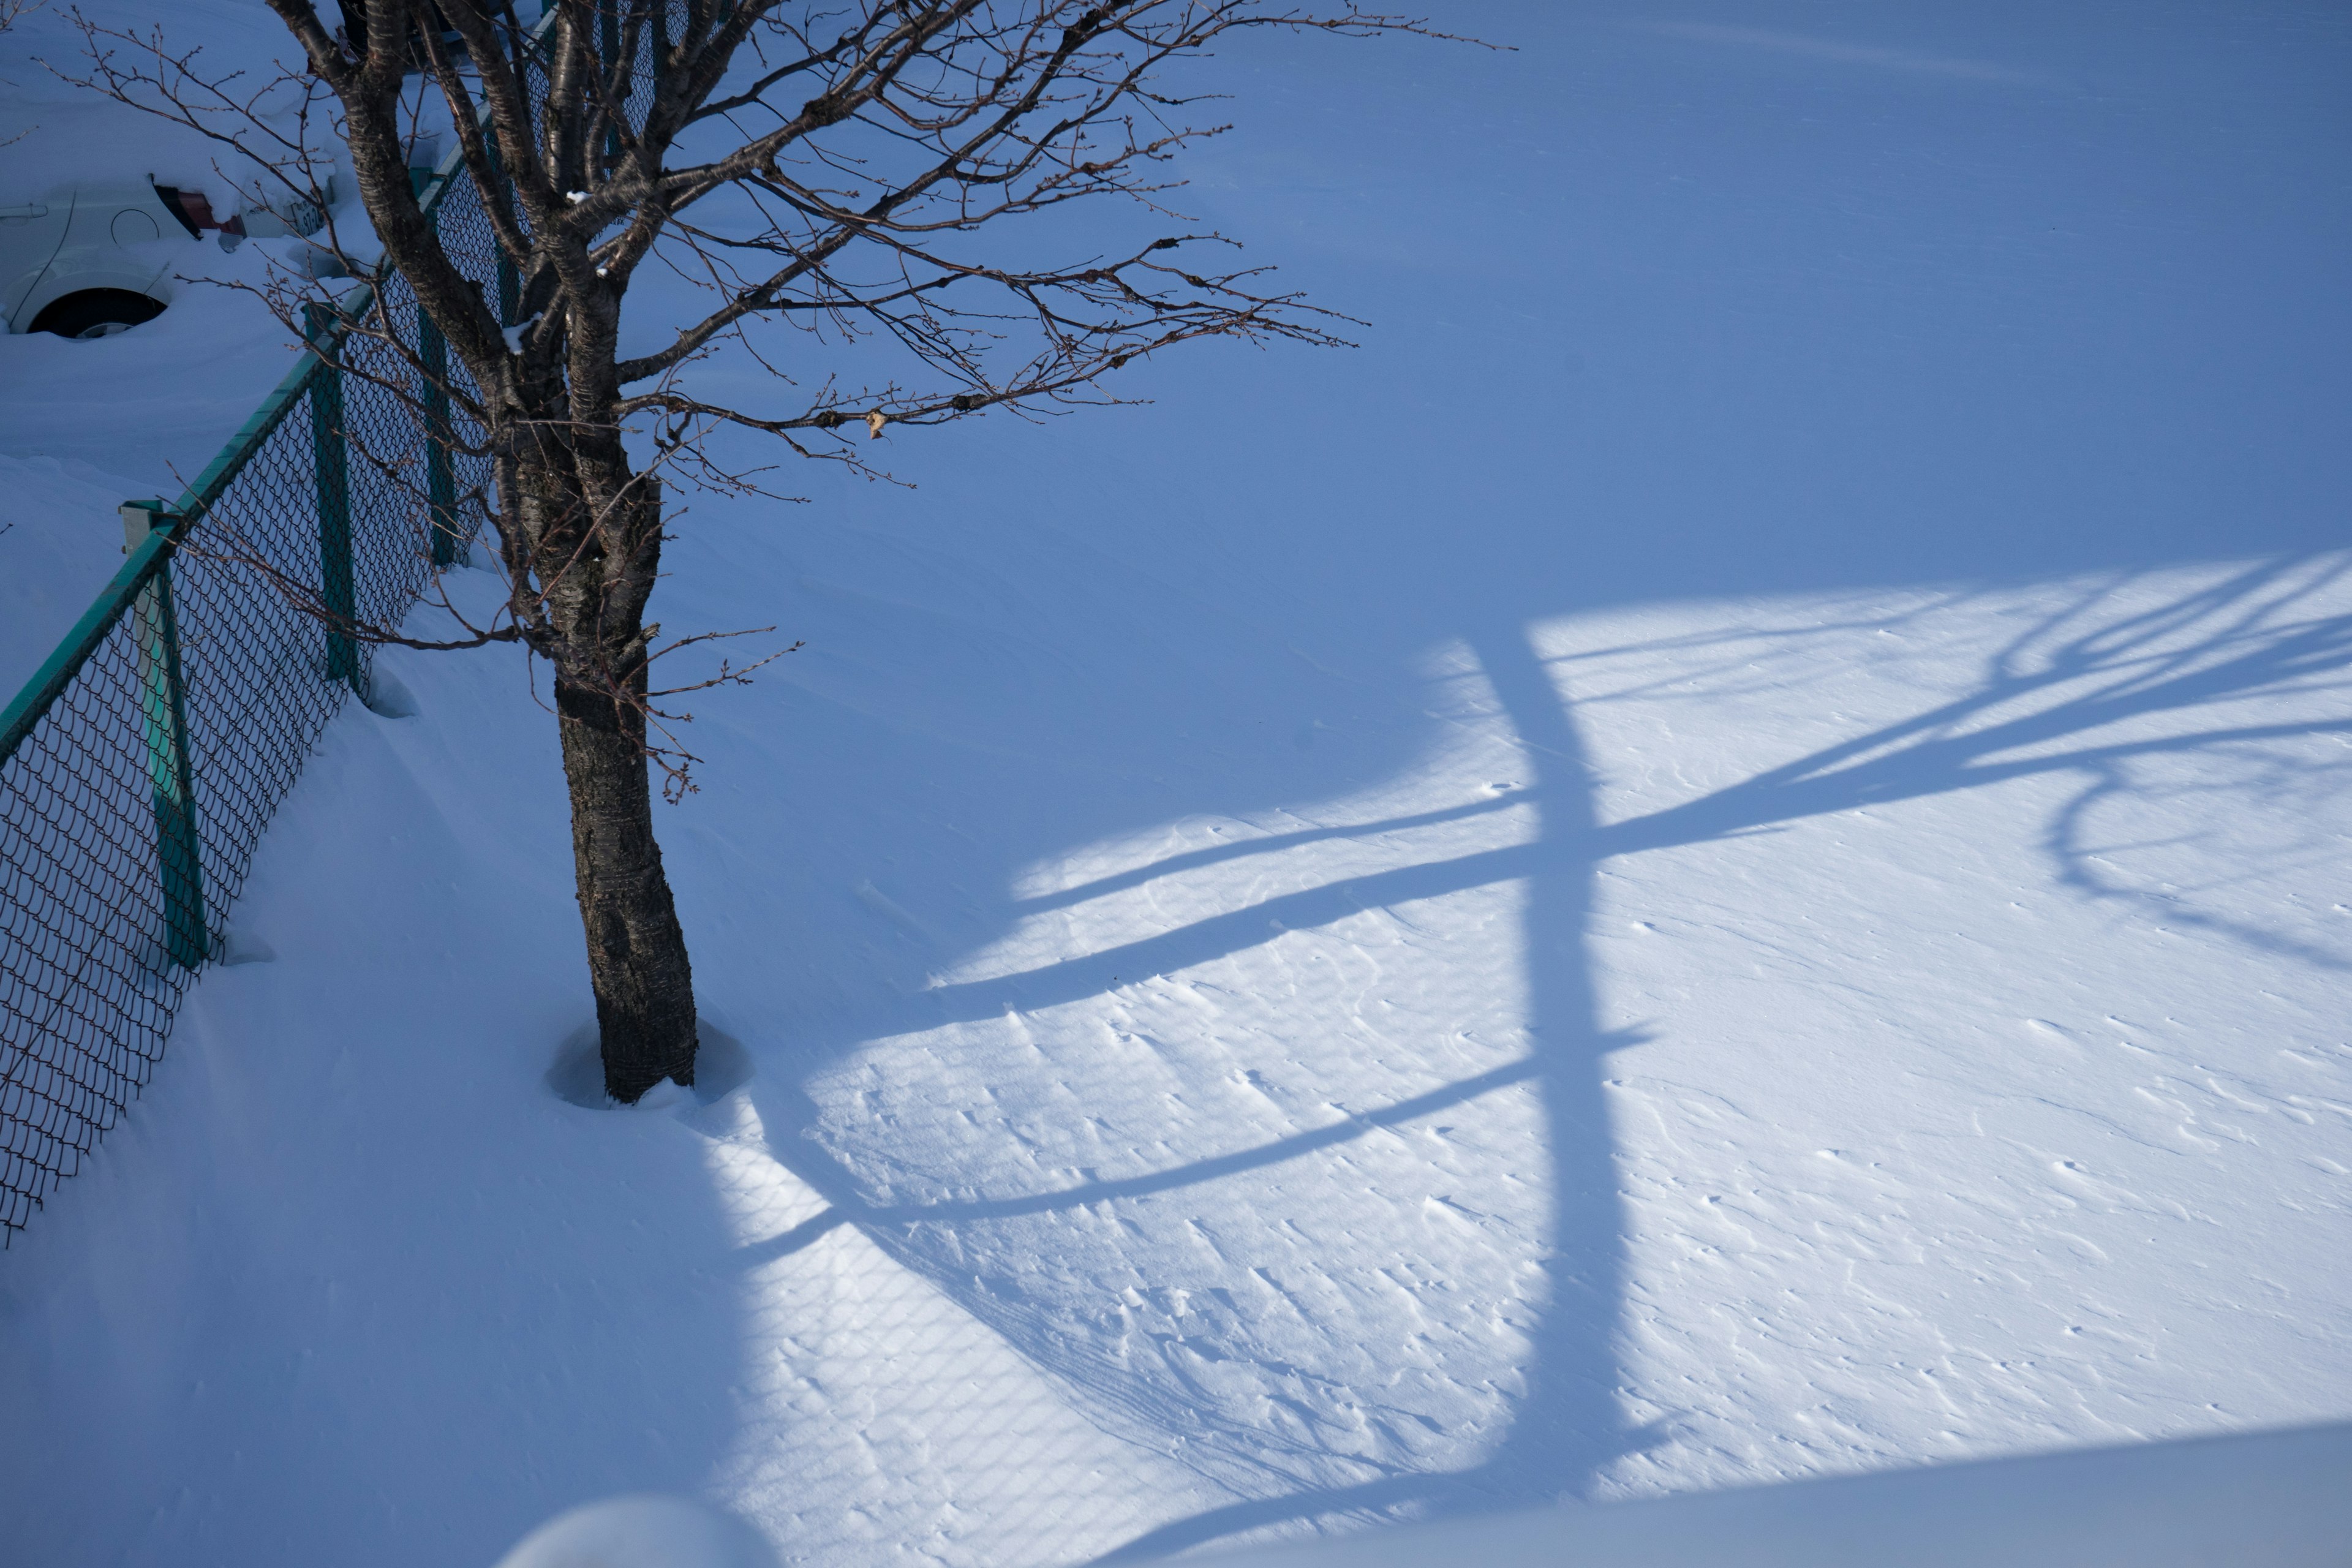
[139,520]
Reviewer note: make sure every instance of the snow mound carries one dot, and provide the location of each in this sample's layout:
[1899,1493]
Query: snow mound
[647,1531]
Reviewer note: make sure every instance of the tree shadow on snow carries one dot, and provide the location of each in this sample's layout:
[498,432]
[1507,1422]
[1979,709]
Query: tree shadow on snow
[2090,691]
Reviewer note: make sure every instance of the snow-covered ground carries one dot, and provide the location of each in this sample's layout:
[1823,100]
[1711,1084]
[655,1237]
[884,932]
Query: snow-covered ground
[1718,859]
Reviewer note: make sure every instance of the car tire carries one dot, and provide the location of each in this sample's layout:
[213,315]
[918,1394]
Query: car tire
[96,313]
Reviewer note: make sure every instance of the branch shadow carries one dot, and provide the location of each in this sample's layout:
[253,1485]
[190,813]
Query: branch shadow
[2083,691]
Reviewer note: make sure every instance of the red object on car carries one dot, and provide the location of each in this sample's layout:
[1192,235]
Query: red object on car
[195,211]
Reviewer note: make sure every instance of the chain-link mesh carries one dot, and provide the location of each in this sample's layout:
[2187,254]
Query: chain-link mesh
[131,806]
[141,766]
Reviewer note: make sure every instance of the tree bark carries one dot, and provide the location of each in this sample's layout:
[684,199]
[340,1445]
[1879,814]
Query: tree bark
[637,963]
[636,949]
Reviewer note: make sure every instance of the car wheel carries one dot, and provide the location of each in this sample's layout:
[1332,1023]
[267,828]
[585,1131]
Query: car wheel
[96,313]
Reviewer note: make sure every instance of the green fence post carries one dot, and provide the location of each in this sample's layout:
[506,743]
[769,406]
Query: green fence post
[330,463]
[164,712]
[609,14]
[440,480]
[509,281]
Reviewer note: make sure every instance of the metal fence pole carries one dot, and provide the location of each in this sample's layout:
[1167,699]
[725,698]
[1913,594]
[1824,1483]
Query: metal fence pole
[609,15]
[164,713]
[440,480]
[433,353]
[510,280]
[330,463]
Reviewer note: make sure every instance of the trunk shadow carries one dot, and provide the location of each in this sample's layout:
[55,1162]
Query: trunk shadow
[2047,703]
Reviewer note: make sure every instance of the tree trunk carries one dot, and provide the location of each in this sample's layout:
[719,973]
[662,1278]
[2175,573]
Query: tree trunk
[636,951]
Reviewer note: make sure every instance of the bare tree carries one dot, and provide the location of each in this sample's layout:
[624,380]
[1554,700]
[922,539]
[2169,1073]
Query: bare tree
[822,170]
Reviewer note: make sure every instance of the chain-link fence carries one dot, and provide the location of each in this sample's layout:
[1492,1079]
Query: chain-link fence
[140,766]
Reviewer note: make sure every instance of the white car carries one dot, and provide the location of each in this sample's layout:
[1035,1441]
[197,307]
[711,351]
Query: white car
[92,259]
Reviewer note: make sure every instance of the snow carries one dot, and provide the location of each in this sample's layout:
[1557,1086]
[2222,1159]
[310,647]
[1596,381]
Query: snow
[642,1531]
[2274,1498]
[1714,862]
